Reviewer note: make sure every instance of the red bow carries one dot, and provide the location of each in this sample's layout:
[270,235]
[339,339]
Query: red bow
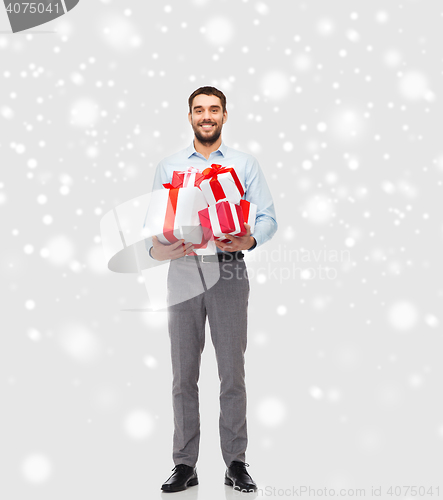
[213,171]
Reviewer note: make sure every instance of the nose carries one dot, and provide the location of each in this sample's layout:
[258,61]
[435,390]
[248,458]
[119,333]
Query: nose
[207,116]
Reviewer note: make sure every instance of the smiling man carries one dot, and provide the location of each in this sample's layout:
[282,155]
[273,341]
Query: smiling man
[225,303]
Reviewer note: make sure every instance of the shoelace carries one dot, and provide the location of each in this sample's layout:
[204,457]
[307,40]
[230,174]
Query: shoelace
[239,464]
[242,466]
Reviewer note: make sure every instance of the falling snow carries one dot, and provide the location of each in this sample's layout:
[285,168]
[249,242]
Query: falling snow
[341,106]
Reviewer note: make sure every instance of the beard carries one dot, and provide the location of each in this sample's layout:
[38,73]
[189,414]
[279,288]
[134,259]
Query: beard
[205,139]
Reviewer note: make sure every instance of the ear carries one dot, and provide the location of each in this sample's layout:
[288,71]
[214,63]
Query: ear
[190,118]
[225,116]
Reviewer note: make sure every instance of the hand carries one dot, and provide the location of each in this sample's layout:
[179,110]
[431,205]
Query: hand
[244,242]
[174,251]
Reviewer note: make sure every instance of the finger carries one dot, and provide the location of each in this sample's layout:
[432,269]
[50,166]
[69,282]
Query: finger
[226,247]
[188,248]
[177,244]
[184,246]
[229,237]
[183,250]
[248,229]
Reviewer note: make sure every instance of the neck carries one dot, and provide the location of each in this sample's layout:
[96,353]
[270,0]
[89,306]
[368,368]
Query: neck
[204,149]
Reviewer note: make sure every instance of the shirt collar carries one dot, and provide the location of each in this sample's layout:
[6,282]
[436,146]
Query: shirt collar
[191,149]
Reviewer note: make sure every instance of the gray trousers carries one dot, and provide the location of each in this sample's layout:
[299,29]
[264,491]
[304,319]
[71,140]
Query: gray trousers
[190,299]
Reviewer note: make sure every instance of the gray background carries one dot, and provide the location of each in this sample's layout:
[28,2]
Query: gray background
[341,103]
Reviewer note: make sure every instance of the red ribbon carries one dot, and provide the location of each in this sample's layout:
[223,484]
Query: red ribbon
[179,176]
[224,215]
[212,172]
[186,174]
[202,244]
[226,220]
[171,209]
[168,225]
[245,205]
[175,183]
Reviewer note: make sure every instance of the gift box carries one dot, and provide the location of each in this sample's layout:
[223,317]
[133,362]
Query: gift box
[225,217]
[185,178]
[191,177]
[221,183]
[173,215]
[249,213]
[176,181]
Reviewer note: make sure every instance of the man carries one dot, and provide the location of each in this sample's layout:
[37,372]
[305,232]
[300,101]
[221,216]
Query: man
[225,302]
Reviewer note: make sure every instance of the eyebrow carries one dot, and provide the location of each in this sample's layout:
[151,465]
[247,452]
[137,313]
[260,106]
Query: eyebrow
[213,106]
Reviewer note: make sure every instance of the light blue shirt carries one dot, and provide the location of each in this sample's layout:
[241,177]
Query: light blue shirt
[249,172]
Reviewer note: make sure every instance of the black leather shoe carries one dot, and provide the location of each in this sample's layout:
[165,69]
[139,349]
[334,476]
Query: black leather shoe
[183,477]
[237,477]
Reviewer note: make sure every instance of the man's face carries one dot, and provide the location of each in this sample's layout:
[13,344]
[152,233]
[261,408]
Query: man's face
[207,118]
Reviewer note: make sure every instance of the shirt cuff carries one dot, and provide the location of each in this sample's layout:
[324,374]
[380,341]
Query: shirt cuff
[253,246]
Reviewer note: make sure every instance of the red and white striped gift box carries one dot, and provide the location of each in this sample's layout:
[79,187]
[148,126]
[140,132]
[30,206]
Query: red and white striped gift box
[185,178]
[225,217]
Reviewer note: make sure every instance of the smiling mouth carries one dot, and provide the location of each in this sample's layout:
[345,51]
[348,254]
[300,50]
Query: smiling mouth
[207,126]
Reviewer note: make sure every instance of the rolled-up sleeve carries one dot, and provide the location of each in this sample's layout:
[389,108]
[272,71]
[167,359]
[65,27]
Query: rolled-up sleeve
[257,192]
[159,180]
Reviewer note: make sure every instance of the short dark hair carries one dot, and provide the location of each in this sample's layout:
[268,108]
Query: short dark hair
[208,91]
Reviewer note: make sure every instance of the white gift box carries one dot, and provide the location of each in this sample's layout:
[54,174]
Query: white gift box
[173,214]
[226,186]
